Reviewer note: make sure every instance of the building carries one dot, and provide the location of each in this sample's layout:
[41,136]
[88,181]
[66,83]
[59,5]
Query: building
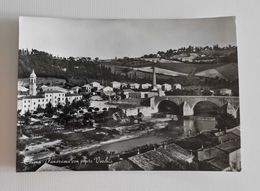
[116,84]
[225,92]
[146,86]
[124,85]
[126,92]
[108,91]
[177,86]
[134,86]
[142,94]
[76,89]
[86,88]
[35,100]
[96,85]
[167,87]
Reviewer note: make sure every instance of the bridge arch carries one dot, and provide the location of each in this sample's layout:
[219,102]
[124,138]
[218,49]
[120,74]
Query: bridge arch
[167,106]
[205,108]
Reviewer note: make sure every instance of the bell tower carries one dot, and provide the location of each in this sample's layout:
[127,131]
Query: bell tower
[32,84]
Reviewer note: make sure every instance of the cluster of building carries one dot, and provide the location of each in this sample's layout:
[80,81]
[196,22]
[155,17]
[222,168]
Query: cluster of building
[35,97]
[30,100]
[225,156]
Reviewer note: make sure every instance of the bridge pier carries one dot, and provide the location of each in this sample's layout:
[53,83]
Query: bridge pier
[187,110]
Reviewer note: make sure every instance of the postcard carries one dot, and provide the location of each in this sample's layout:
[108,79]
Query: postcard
[127,94]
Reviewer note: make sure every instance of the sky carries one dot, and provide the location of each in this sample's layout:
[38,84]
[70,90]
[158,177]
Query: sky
[122,38]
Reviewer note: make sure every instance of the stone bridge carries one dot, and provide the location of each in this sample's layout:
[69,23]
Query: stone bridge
[188,103]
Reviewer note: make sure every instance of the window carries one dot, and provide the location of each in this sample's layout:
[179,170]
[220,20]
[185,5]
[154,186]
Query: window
[34,103]
[24,101]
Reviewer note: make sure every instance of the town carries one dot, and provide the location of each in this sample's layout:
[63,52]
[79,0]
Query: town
[126,125]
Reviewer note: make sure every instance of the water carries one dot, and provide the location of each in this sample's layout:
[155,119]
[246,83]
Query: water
[176,130]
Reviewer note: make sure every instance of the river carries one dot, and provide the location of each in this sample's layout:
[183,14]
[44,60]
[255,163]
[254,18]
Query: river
[175,130]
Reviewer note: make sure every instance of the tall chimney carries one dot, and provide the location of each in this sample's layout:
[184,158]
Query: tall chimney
[154,78]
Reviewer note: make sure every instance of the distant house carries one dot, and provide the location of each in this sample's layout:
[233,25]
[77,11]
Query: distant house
[167,87]
[96,85]
[142,94]
[158,86]
[126,92]
[87,88]
[116,84]
[146,86]
[124,85]
[108,91]
[225,91]
[76,89]
[177,86]
[71,97]
[134,86]
[22,89]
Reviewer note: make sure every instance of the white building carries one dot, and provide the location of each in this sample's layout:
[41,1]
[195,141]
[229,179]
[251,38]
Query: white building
[158,86]
[146,86]
[96,85]
[116,84]
[126,92]
[225,91]
[124,85]
[134,86]
[167,87]
[108,91]
[177,86]
[87,88]
[76,89]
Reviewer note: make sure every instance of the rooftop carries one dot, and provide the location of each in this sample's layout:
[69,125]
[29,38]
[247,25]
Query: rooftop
[33,97]
[123,165]
[49,167]
[229,146]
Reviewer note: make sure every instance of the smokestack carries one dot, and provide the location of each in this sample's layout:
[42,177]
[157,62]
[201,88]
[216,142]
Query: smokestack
[154,78]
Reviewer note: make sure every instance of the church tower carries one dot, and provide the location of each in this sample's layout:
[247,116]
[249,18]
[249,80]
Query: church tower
[32,84]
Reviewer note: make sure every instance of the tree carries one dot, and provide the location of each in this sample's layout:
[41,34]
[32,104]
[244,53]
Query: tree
[226,121]
[39,109]
[49,110]
[59,106]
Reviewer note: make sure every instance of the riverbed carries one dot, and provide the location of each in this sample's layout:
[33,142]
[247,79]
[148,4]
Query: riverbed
[179,129]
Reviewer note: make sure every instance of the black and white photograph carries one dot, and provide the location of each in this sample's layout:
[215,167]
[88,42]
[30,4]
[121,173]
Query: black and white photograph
[128,95]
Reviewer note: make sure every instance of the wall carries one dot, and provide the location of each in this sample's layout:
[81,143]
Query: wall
[248,15]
